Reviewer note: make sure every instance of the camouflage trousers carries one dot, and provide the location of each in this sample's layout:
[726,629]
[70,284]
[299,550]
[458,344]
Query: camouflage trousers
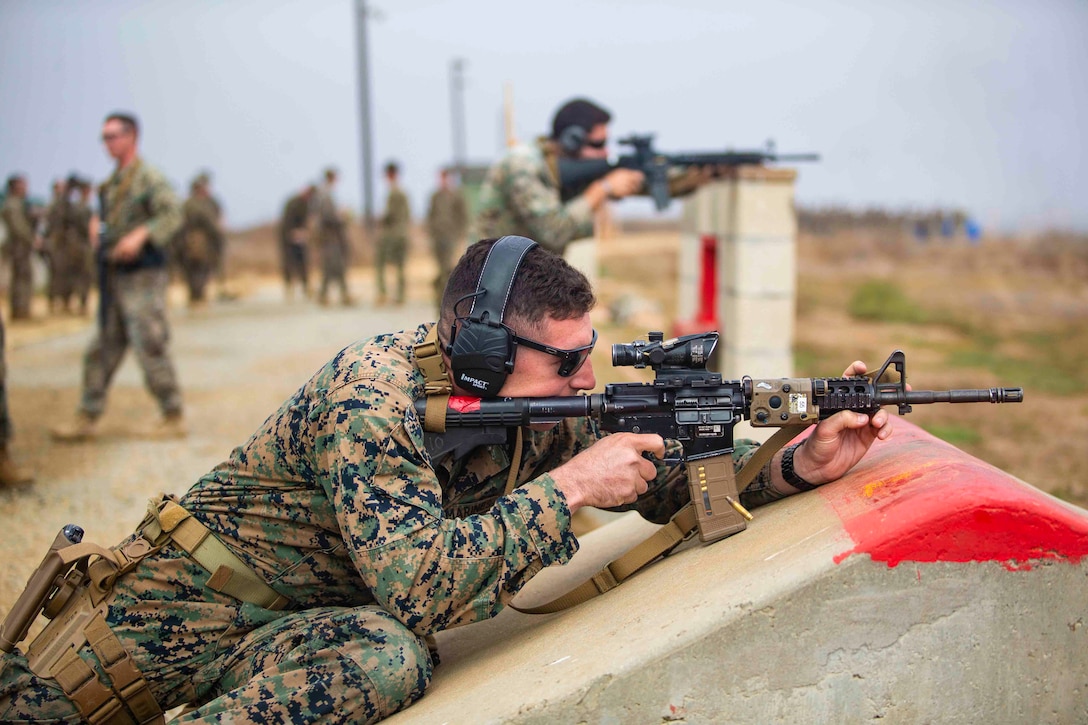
[5,419]
[391,251]
[334,263]
[71,275]
[135,315]
[296,265]
[22,281]
[443,248]
[236,662]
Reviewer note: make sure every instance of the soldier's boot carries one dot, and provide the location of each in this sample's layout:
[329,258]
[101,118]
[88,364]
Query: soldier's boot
[11,474]
[172,425]
[83,428]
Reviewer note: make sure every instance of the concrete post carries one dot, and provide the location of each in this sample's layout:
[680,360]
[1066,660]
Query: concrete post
[751,213]
[757,266]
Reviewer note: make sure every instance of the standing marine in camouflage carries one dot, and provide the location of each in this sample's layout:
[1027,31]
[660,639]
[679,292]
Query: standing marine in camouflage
[299,580]
[332,240]
[20,244]
[199,241]
[139,216]
[53,242]
[294,240]
[447,221]
[521,194]
[393,238]
[71,255]
[79,249]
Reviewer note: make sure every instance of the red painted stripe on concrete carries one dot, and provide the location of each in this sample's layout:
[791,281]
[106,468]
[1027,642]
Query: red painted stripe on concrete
[915,498]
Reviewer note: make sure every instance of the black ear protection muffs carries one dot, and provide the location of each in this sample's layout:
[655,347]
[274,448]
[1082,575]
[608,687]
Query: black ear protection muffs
[572,139]
[482,348]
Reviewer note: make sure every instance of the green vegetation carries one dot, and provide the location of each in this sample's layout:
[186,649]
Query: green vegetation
[957,435]
[883,301]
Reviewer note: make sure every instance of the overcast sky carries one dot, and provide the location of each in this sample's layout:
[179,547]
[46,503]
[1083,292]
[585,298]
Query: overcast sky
[912,103]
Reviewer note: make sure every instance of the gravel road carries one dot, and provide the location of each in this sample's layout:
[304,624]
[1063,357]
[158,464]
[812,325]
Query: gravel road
[237,362]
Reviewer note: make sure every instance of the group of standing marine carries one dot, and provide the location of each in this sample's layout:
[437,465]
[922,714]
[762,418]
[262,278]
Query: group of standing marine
[312,214]
[60,233]
[129,244]
[137,218]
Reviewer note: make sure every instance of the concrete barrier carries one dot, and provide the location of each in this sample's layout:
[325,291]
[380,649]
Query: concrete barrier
[926,586]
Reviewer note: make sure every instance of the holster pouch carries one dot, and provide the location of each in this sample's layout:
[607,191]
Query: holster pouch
[78,617]
[77,607]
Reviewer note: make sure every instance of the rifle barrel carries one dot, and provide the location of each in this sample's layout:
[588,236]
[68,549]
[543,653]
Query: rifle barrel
[923,397]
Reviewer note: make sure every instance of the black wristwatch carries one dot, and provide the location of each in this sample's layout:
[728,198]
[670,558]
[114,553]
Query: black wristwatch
[788,474]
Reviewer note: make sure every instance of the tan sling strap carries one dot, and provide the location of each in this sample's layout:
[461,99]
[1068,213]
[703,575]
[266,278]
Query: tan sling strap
[436,381]
[681,526]
[230,575]
[128,174]
[515,464]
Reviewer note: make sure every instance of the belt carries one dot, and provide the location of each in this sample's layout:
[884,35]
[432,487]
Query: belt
[230,575]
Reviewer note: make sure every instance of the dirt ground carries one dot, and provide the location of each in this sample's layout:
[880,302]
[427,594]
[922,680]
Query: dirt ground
[238,360]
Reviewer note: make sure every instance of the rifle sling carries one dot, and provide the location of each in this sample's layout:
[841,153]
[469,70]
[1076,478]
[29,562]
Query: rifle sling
[681,526]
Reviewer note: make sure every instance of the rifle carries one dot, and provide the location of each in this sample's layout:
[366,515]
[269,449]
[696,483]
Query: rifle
[576,174]
[694,406]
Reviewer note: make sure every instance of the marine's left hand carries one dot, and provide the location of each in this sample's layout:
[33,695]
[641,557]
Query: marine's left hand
[838,443]
[129,246]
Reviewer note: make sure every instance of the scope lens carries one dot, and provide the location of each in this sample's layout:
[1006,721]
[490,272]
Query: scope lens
[625,354]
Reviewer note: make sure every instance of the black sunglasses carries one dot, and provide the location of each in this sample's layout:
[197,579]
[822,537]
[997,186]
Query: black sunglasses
[596,144]
[573,360]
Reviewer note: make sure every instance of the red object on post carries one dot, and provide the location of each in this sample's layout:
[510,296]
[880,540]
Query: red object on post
[706,318]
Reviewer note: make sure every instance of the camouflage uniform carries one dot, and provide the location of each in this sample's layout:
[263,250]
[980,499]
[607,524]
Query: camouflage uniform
[335,502]
[393,241]
[56,215]
[199,244]
[520,195]
[71,258]
[132,303]
[5,417]
[296,215]
[20,245]
[78,254]
[447,220]
[333,242]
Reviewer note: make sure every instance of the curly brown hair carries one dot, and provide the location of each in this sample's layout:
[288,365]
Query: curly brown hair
[544,286]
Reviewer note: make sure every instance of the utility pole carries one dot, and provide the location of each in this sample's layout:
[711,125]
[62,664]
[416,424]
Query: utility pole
[361,14]
[457,113]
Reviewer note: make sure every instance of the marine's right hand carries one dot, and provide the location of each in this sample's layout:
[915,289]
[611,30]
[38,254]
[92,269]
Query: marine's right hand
[611,472]
[624,182]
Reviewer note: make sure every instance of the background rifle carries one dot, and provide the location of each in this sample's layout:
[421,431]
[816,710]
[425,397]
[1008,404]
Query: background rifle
[576,174]
[694,406]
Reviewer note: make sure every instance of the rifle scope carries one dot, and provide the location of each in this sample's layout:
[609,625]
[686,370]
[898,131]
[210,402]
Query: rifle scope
[690,352]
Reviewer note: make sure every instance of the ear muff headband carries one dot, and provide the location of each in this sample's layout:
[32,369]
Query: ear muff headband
[572,139]
[482,347]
